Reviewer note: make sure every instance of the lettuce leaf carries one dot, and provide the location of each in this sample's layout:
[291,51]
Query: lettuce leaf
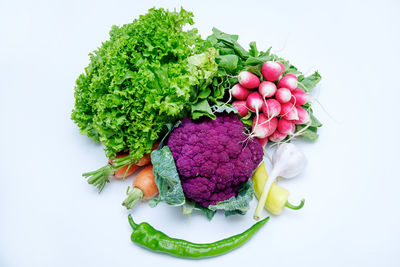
[150,72]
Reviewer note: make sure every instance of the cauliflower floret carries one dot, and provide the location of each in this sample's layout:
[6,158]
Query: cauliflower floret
[213,157]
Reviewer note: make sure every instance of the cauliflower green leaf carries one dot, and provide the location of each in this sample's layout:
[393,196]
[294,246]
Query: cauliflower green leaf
[239,204]
[167,177]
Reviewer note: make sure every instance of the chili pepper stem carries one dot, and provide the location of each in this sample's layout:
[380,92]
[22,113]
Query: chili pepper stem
[293,207]
[132,223]
[133,197]
[100,177]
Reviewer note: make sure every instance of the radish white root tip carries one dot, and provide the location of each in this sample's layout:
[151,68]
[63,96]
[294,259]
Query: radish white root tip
[323,108]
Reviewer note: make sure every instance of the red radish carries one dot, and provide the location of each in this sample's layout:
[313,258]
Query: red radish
[289,111]
[248,80]
[267,89]
[304,117]
[299,97]
[254,102]
[288,81]
[263,141]
[264,127]
[239,92]
[272,108]
[286,127]
[241,107]
[282,67]
[283,95]
[277,136]
[271,71]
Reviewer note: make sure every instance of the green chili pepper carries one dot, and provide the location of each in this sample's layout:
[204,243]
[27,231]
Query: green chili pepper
[145,235]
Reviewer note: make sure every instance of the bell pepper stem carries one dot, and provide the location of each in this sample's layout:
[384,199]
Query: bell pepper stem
[293,207]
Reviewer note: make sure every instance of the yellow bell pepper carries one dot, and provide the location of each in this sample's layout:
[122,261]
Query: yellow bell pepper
[277,197]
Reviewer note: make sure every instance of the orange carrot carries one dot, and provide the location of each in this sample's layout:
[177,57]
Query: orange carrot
[120,173]
[144,160]
[145,182]
[155,146]
[144,187]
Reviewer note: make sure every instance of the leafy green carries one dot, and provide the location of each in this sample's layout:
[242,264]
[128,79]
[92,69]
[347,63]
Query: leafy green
[253,51]
[308,134]
[190,206]
[150,72]
[202,69]
[255,69]
[257,60]
[224,108]
[230,40]
[228,62]
[260,58]
[209,213]
[292,70]
[167,178]
[314,121]
[248,122]
[200,109]
[170,127]
[238,204]
[309,82]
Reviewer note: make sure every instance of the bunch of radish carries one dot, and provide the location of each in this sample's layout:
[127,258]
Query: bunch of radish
[276,101]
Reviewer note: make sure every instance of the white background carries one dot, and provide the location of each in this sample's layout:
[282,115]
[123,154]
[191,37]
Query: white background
[50,216]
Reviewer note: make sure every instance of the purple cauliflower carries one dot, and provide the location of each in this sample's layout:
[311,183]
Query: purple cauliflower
[213,157]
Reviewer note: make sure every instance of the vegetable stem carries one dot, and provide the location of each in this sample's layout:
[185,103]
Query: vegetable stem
[293,207]
[121,162]
[132,223]
[133,197]
[99,178]
[126,172]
